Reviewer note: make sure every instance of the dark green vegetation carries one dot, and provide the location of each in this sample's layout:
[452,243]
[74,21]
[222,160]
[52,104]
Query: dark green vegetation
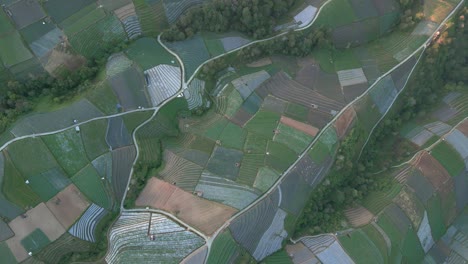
[352,178]
[163,125]
[254,18]
[444,63]
[449,158]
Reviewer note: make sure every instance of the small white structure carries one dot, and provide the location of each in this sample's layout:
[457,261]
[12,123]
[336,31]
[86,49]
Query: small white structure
[77,129]
[27,181]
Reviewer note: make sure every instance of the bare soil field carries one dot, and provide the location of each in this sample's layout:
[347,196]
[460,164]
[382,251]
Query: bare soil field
[352,91]
[411,205]
[435,173]
[68,205]
[260,63]
[308,129]
[204,215]
[463,127]
[300,254]
[57,58]
[343,122]
[358,216]
[38,217]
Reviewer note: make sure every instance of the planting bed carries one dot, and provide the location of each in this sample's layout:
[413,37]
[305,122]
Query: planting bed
[91,185]
[361,248]
[223,162]
[180,172]
[85,227]
[193,53]
[122,162]
[202,214]
[117,135]
[163,81]
[129,89]
[130,241]
[225,191]
[224,249]
[358,216]
[68,205]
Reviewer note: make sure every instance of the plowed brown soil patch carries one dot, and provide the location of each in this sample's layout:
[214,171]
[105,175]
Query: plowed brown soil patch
[68,205]
[358,216]
[435,173]
[206,216]
[345,120]
[308,129]
[38,217]
[463,127]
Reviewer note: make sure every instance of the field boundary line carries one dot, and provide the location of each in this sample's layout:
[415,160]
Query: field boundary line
[281,178]
[257,41]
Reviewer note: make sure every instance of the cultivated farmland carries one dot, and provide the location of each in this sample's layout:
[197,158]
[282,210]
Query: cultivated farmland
[204,215]
[85,227]
[130,239]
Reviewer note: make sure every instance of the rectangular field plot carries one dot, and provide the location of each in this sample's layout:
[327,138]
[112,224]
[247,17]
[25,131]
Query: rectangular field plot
[247,84]
[152,16]
[358,245]
[129,88]
[299,182]
[279,156]
[49,183]
[82,19]
[263,123]
[234,42]
[181,172]
[64,245]
[163,81]
[93,135]
[449,158]
[85,227]
[248,231]
[249,168]
[224,249]
[122,162]
[42,46]
[68,149]
[91,40]
[12,49]
[26,12]
[31,156]
[89,183]
[367,112]
[40,217]
[129,240]
[225,191]
[233,136]
[224,162]
[60,10]
[265,178]
[17,193]
[293,138]
[255,144]
[117,134]
[206,216]
[193,53]
[336,14]
[59,119]
[35,241]
[352,77]
[383,94]
[147,53]
[5,25]
[6,253]
[459,142]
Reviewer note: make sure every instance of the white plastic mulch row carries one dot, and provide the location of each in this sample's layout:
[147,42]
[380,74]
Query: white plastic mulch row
[425,235]
[273,237]
[334,254]
[133,240]
[132,26]
[84,228]
[421,138]
[305,16]
[351,77]
[318,244]
[163,82]
[194,93]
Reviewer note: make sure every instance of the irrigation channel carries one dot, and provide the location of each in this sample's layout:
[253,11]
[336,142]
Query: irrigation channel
[184,85]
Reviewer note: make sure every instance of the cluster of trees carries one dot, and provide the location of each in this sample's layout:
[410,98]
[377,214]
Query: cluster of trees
[18,97]
[443,68]
[348,181]
[256,18]
[411,13]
